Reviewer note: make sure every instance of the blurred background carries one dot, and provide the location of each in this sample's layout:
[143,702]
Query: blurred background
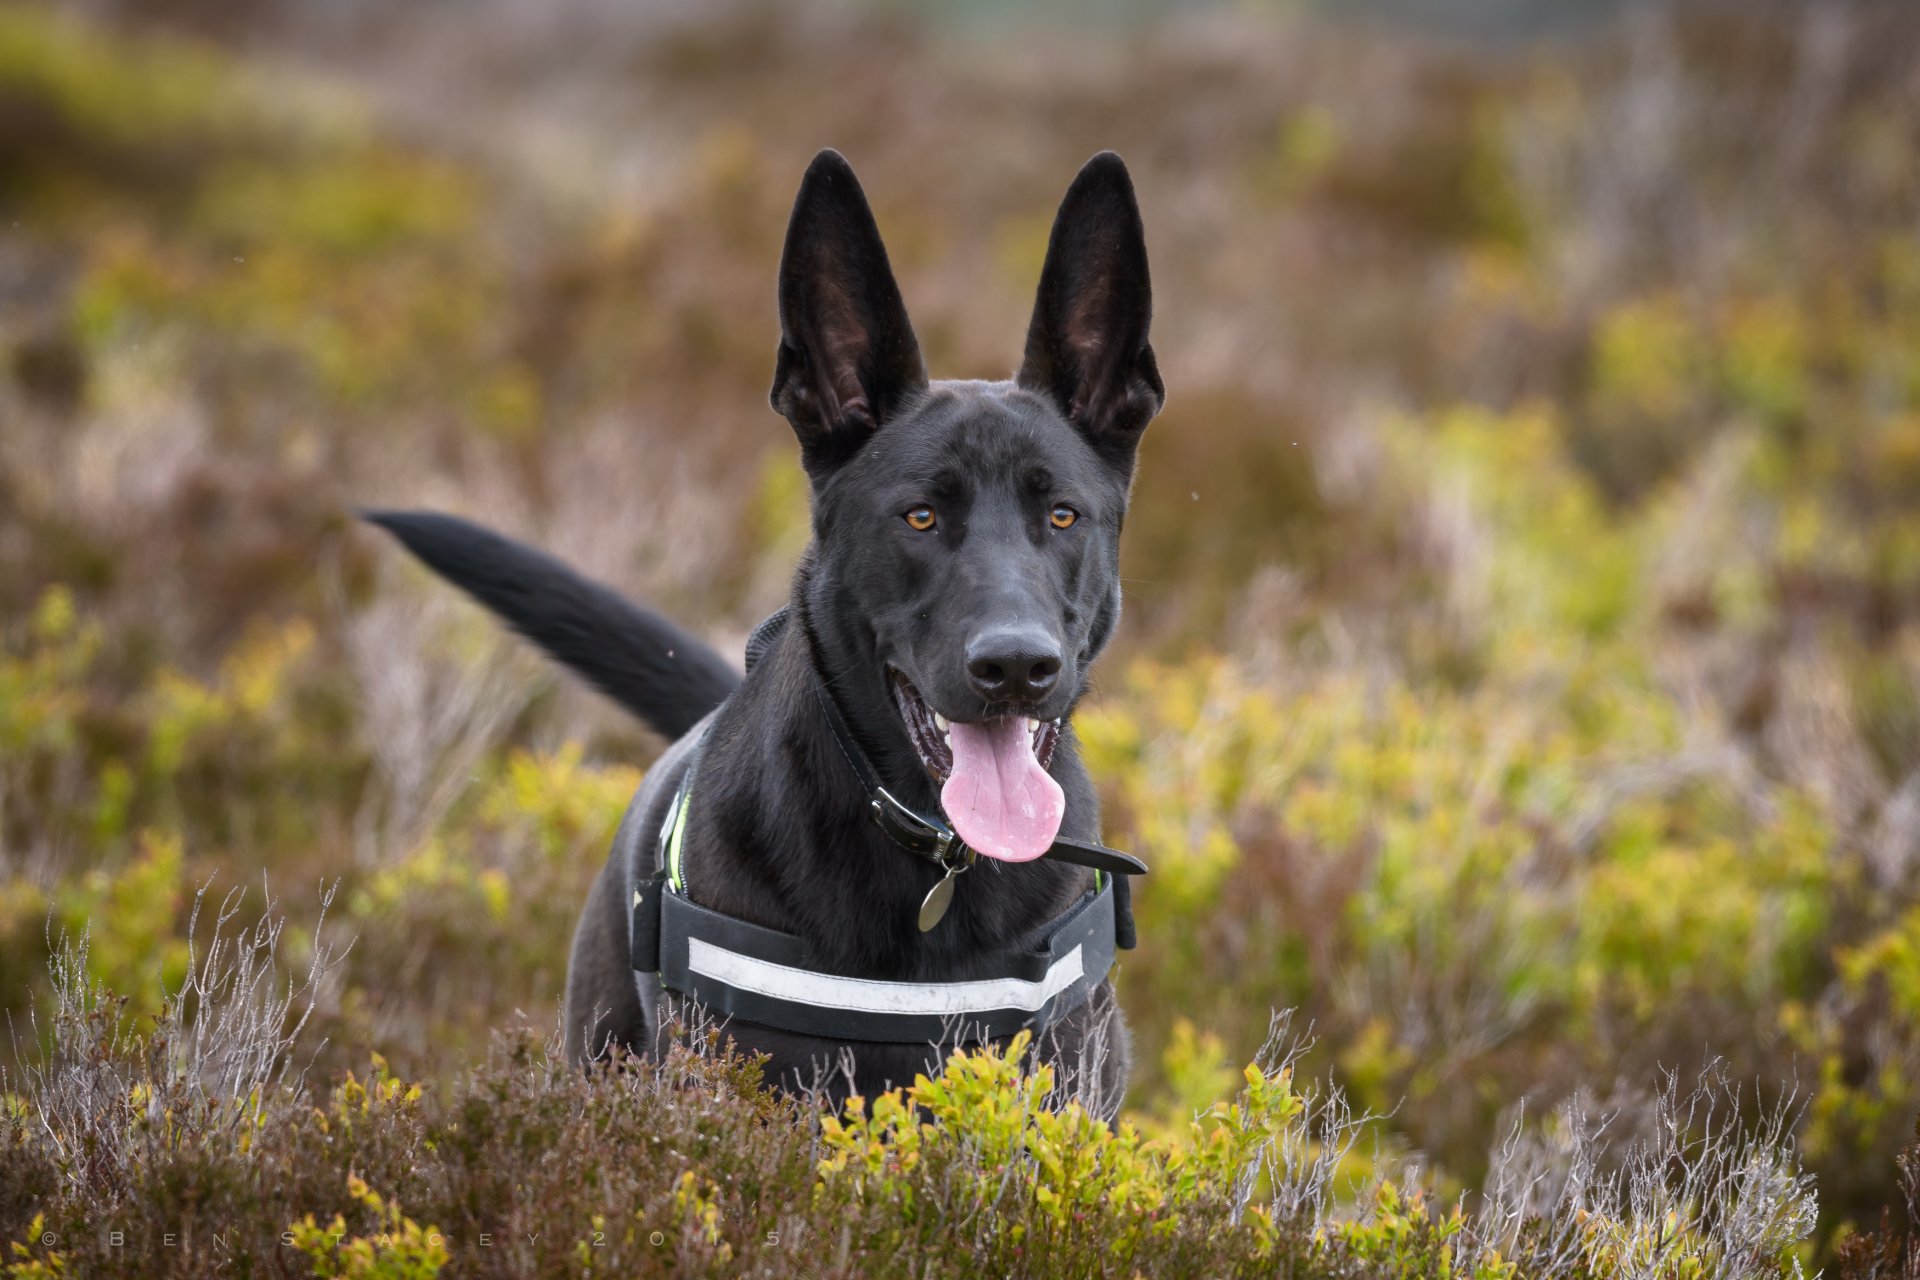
[1521,667]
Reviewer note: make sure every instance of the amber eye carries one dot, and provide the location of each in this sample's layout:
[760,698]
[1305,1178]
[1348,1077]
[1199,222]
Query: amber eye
[1063,517]
[920,518]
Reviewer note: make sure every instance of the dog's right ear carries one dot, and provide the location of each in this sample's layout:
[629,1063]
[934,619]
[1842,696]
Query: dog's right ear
[848,358]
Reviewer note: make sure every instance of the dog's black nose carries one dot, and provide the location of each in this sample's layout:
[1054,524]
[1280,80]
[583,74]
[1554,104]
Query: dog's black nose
[1013,665]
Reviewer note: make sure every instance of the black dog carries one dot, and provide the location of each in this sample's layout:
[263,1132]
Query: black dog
[961,580]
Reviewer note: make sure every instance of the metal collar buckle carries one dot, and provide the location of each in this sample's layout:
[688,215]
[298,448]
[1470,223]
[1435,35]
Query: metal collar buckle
[955,854]
[934,841]
[931,840]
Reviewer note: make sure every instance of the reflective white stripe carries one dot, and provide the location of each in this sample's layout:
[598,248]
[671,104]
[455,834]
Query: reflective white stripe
[804,986]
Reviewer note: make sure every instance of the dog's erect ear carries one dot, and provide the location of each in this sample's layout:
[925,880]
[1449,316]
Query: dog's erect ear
[848,357]
[1087,346]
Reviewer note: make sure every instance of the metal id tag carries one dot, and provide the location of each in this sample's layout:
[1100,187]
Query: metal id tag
[933,909]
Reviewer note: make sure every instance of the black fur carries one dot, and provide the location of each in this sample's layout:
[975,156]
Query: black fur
[662,674]
[778,830]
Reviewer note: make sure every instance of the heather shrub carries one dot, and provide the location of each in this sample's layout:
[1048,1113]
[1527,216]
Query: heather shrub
[186,1139]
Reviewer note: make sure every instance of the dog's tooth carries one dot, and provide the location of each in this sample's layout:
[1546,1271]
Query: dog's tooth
[939,722]
[1033,726]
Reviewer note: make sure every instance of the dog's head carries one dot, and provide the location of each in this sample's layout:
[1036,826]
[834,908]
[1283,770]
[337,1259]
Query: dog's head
[966,534]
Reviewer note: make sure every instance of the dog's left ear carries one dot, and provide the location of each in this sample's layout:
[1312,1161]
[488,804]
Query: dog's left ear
[848,358]
[1087,346]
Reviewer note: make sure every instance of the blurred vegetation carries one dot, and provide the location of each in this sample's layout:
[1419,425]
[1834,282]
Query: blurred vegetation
[1521,672]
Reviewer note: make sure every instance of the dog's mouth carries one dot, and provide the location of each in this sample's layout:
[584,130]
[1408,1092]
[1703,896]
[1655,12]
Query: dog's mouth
[992,775]
[931,733]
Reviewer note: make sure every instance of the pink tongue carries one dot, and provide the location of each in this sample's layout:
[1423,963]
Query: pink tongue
[999,798]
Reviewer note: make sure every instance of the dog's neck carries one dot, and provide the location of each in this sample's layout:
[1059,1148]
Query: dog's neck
[780,832]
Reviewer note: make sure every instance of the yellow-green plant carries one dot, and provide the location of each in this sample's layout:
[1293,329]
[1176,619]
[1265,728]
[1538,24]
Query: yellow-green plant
[29,1265]
[356,1103]
[132,914]
[400,1248]
[1056,1171]
[566,807]
[1402,1239]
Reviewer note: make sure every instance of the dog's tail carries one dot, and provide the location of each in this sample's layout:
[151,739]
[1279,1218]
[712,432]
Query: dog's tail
[633,655]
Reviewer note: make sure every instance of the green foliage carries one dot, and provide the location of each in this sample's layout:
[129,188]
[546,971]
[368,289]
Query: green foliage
[1057,1182]
[1403,1240]
[139,950]
[564,808]
[39,697]
[26,1265]
[124,90]
[401,1249]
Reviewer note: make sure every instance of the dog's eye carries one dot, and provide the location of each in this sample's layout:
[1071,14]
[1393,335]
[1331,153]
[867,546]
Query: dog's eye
[1063,517]
[920,518]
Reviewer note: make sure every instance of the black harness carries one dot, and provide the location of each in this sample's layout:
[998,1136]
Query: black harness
[764,976]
